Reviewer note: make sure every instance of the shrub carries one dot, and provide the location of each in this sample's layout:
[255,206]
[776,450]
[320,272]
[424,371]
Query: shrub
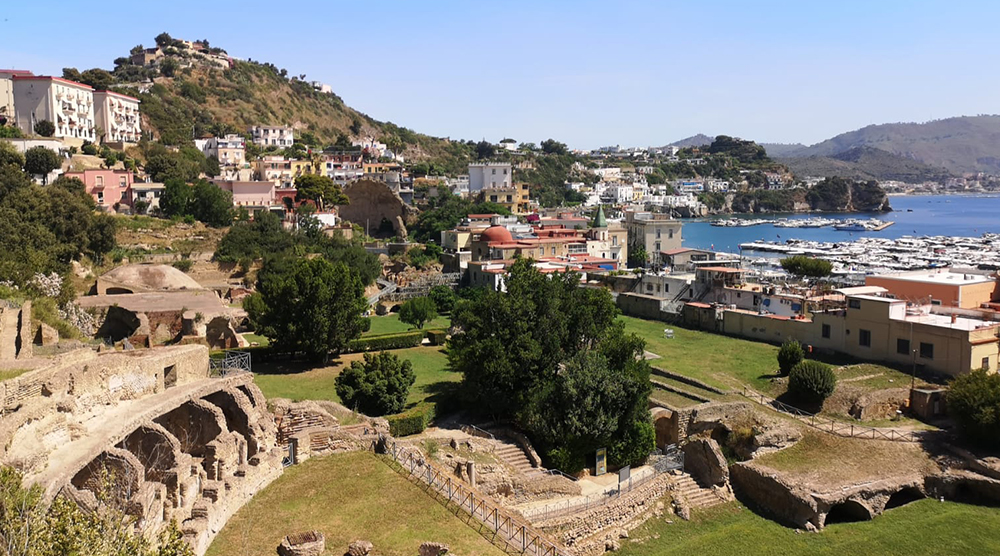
[437,337]
[811,381]
[412,421]
[183,265]
[566,460]
[807,266]
[974,401]
[634,446]
[45,128]
[789,356]
[378,386]
[444,298]
[386,341]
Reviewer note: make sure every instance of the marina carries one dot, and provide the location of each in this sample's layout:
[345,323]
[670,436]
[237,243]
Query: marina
[846,225]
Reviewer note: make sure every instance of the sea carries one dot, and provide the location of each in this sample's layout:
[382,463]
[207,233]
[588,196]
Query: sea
[914,215]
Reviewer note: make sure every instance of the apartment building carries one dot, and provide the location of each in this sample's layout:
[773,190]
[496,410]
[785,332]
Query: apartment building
[146,192]
[117,115]
[514,198]
[944,286]
[7,94]
[272,136]
[67,104]
[230,150]
[275,169]
[489,175]
[652,231]
[107,187]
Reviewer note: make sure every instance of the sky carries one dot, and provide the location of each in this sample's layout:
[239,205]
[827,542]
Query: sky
[585,73]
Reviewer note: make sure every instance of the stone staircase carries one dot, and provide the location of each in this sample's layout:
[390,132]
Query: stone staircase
[514,456]
[696,495]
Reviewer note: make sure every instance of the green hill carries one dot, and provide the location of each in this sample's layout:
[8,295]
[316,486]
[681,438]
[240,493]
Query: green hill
[866,163]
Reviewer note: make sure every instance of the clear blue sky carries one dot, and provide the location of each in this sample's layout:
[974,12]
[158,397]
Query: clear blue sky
[586,73]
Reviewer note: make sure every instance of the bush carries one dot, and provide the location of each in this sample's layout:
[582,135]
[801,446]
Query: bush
[789,356]
[444,298]
[566,460]
[378,386]
[437,337]
[634,446]
[974,401]
[412,421]
[45,128]
[807,266]
[183,265]
[386,341]
[811,381]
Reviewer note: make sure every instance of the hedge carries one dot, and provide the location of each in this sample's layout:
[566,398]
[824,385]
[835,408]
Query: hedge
[411,421]
[387,341]
[437,337]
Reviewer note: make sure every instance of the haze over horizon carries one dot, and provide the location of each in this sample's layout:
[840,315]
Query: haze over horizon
[586,74]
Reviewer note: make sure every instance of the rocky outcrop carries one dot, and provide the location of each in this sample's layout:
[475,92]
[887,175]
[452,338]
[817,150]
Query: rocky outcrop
[704,460]
[374,201]
[359,548]
[309,543]
[432,549]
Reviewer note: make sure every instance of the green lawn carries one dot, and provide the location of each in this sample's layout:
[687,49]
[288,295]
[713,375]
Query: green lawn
[390,324]
[729,363]
[6,374]
[347,497]
[302,381]
[926,527]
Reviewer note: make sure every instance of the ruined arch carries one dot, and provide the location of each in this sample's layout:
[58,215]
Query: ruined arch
[665,424]
[236,417]
[903,497]
[846,512]
[156,449]
[113,477]
[193,425]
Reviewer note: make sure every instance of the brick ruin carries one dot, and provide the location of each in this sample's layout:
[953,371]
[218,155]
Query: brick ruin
[146,430]
[15,331]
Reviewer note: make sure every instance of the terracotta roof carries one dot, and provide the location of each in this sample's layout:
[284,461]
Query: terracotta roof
[699,305]
[725,269]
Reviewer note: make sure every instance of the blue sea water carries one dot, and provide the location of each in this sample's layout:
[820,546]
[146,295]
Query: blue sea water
[916,215]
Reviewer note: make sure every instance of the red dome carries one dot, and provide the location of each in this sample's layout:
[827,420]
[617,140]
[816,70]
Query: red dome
[496,234]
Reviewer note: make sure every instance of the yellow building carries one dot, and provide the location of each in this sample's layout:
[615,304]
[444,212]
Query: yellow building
[514,198]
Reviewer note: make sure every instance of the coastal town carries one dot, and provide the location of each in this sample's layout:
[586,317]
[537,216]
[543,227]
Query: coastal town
[238,317]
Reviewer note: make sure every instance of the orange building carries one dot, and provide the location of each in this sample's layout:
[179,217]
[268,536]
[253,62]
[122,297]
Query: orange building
[946,287]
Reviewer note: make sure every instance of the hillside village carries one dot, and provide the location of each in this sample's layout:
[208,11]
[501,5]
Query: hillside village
[230,326]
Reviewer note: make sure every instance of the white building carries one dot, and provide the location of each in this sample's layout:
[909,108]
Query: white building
[7,93]
[67,104]
[620,193]
[229,150]
[688,186]
[717,185]
[489,175]
[118,117]
[272,136]
[608,174]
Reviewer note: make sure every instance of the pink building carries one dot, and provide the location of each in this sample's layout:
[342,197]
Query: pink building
[248,194]
[107,187]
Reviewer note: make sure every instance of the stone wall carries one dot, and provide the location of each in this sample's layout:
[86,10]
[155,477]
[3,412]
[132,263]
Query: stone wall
[371,201]
[15,332]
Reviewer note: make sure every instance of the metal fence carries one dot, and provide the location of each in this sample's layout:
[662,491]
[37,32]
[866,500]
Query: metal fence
[505,531]
[831,426]
[668,460]
[230,363]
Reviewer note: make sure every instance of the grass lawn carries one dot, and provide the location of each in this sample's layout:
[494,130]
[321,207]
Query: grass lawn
[923,528]
[262,341]
[390,324]
[298,381]
[6,374]
[347,497]
[729,363]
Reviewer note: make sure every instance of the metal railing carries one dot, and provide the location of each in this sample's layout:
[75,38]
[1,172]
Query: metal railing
[506,532]
[672,458]
[473,430]
[230,363]
[839,428]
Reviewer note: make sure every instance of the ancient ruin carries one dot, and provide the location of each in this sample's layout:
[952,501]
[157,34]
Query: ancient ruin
[371,202]
[15,331]
[149,431]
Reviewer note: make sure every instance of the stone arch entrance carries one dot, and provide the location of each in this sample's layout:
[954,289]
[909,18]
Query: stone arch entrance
[155,450]
[193,426]
[236,418]
[665,424]
[903,497]
[847,512]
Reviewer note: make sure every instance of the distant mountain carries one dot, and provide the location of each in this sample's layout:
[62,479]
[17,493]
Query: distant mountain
[866,163]
[963,144]
[699,140]
[778,150]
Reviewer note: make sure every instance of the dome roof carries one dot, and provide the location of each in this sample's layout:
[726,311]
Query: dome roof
[149,278]
[496,234]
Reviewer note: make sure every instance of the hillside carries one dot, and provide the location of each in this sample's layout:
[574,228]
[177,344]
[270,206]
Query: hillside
[962,144]
[866,163]
[185,94]
[699,140]
[779,150]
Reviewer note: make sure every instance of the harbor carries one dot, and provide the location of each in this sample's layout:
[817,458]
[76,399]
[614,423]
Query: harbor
[845,225]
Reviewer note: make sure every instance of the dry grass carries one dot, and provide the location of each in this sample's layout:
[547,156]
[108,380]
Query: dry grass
[826,461]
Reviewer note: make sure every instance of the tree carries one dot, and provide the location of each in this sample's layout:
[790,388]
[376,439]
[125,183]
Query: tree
[637,256]
[485,150]
[320,189]
[211,204]
[10,155]
[45,128]
[176,199]
[551,146]
[444,298]
[802,265]
[811,382]
[168,66]
[789,356]
[974,400]
[418,311]
[39,161]
[378,386]
[164,39]
[307,305]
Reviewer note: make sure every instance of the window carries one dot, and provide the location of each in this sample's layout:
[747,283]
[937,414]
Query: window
[553,251]
[666,288]
[854,303]
[658,233]
[121,181]
[494,171]
[903,346]
[986,364]
[935,301]
[614,240]
[100,196]
[649,287]
[926,350]
[671,235]
[826,330]
[99,181]
[657,246]
[865,337]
